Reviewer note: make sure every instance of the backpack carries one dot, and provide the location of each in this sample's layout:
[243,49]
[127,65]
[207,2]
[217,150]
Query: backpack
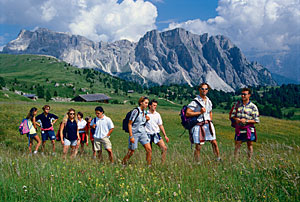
[24,127]
[93,130]
[188,122]
[126,120]
[235,106]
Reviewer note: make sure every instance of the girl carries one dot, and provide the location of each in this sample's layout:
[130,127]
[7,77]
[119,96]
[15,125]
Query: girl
[82,131]
[32,133]
[69,133]
[137,131]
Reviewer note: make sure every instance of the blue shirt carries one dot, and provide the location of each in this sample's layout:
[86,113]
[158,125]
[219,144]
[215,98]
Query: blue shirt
[71,130]
[45,121]
[139,125]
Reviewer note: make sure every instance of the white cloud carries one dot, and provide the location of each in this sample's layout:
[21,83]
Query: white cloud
[95,19]
[259,24]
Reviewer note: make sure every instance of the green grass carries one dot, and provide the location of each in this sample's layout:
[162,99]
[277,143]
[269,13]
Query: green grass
[272,175]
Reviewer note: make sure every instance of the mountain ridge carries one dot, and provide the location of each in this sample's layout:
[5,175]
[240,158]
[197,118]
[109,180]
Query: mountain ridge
[174,56]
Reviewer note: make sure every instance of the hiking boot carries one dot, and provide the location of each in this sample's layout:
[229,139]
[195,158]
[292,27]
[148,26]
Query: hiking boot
[35,152]
[53,154]
[219,159]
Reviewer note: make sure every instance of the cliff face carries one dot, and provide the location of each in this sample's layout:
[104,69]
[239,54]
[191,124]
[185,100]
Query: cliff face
[175,56]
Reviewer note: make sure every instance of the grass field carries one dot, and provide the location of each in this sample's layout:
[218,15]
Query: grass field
[272,175]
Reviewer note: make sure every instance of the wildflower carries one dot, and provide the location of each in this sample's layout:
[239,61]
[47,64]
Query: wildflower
[174,194]
[24,187]
[79,182]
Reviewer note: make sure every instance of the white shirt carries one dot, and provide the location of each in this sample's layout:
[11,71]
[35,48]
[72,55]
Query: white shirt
[152,126]
[103,126]
[196,108]
[81,124]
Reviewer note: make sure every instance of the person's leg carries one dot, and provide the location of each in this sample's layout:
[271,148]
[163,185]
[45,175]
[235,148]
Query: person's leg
[250,149]
[93,148]
[73,150]
[65,150]
[53,146]
[110,155]
[148,153]
[215,148]
[127,156]
[81,147]
[43,146]
[197,152]
[30,144]
[237,149]
[38,140]
[163,149]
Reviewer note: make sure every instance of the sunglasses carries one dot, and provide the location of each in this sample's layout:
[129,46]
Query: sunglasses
[71,113]
[244,94]
[204,88]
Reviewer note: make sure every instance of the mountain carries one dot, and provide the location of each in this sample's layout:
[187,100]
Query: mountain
[284,65]
[174,56]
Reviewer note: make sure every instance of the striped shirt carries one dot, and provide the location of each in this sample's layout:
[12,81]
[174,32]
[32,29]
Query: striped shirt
[248,111]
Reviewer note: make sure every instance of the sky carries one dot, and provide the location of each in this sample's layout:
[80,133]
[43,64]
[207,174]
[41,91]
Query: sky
[264,25]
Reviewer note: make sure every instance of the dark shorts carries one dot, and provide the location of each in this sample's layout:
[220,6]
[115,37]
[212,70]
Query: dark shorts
[83,137]
[48,134]
[31,135]
[154,138]
[243,137]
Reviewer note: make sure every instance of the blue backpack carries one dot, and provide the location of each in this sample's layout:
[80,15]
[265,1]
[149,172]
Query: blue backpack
[188,122]
[126,120]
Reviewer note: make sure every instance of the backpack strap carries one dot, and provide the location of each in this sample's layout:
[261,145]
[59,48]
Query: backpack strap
[200,105]
[136,114]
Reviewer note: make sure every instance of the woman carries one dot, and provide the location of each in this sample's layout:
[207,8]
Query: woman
[82,131]
[69,133]
[137,132]
[32,133]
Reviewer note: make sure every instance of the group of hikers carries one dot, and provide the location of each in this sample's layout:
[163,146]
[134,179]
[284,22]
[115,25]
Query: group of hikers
[144,126]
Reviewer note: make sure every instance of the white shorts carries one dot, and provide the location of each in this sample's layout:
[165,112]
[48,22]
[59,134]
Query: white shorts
[70,142]
[208,135]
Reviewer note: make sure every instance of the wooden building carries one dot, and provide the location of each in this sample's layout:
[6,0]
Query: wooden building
[98,97]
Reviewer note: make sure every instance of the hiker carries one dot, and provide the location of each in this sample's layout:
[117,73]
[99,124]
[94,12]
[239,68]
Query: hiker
[204,129]
[91,131]
[103,126]
[153,127]
[46,121]
[82,127]
[137,131]
[245,115]
[69,133]
[32,135]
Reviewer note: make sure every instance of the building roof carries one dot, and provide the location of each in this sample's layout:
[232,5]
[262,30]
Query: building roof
[94,97]
[29,95]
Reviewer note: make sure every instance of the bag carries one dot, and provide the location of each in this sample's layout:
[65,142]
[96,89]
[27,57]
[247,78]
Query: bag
[24,128]
[188,122]
[126,120]
[235,106]
[58,133]
[93,130]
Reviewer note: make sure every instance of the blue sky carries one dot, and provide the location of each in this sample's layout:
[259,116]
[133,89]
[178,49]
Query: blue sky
[266,25]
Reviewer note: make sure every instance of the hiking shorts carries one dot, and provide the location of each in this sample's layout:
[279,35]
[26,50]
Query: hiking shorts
[105,142]
[31,135]
[139,137]
[48,134]
[70,142]
[154,138]
[208,135]
[243,137]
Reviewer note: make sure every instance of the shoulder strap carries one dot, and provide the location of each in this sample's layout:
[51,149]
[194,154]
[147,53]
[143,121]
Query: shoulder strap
[136,114]
[200,105]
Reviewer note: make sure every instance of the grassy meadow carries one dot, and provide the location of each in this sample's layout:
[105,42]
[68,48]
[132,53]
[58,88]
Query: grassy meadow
[272,175]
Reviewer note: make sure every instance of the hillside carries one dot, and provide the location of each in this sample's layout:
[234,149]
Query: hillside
[28,73]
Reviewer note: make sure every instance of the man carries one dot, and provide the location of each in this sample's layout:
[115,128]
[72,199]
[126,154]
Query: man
[204,130]
[245,116]
[153,127]
[46,121]
[103,126]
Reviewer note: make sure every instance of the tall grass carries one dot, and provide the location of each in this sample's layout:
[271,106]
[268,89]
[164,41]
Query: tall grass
[272,175]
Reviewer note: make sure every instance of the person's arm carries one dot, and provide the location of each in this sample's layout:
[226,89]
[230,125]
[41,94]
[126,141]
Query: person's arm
[62,125]
[78,137]
[211,116]
[34,122]
[191,113]
[109,132]
[130,131]
[161,127]
[53,122]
